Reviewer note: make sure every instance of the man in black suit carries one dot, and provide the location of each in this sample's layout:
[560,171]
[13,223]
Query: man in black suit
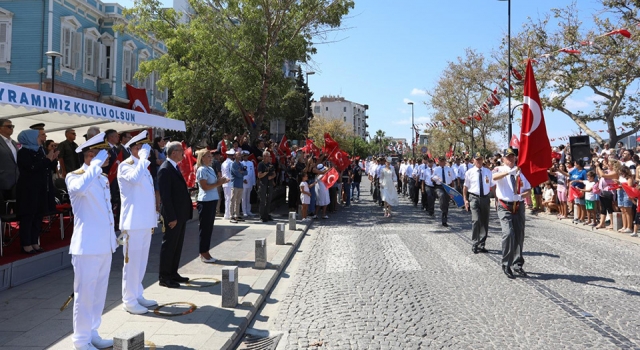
[176,209]
[8,164]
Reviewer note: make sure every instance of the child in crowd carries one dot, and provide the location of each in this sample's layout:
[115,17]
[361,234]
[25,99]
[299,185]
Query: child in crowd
[305,194]
[590,198]
[548,198]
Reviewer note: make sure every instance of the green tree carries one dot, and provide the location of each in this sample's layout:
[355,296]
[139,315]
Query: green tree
[606,66]
[233,51]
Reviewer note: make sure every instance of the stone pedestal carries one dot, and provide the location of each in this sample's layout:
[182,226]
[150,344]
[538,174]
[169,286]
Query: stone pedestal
[280,234]
[261,253]
[292,221]
[229,286]
[129,340]
[616,221]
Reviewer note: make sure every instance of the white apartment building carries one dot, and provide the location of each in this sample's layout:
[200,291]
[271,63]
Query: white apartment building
[351,113]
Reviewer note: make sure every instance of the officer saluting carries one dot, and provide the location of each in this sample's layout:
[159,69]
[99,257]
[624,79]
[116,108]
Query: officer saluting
[92,244]
[511,187]
[137,221]
[477,184]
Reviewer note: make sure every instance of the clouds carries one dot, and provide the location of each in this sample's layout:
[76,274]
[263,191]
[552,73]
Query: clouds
[416,120]
[406,101]
[418,92]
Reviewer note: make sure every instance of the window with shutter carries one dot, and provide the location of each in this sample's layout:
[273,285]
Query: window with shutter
[88,56]
[133,67]
[126,66]
[66,47]
[107,56]
[77,50]
[102,61]
[4,42]
[96,59]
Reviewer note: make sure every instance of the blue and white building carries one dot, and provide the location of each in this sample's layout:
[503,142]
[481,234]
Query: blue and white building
[96,63]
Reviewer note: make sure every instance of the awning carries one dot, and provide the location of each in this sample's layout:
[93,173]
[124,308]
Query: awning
[25,107]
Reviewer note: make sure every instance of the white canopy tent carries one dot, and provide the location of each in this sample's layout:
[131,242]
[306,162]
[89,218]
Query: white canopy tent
[25,107]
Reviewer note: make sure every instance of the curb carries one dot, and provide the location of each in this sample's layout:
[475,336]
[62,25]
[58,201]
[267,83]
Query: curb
[259,291]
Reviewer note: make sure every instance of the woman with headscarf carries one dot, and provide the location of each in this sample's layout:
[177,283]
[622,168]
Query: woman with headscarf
[34,195]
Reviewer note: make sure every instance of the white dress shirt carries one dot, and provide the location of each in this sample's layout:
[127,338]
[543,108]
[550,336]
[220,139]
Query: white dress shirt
[448,175]
[408,171]
[428,173]
[462,170]
[251,174]
[472,181]
[504,188]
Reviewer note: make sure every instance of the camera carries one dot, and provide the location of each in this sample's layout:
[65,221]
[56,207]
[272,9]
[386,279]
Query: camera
[244,168]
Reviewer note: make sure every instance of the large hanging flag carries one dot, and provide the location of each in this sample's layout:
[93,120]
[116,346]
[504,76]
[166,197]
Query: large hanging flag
[515,144]
[533,160]
[138,99]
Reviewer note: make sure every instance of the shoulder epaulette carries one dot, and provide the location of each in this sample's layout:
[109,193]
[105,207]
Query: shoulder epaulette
[129,161]
[78,172]
[105,175]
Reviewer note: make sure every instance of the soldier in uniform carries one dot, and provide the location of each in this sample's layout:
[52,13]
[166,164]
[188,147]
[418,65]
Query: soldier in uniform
[511,188]
[227,187]
[92,244]
[248,183]
[477,185]
[137,221]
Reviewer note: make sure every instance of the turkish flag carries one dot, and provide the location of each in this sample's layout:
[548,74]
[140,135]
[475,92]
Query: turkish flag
[284,147]
[535,148]
[632,192]
[514,142]
[330,145]
[113,171]
[330,177]
[223,150]
[311,148]
[138,99]
[186,166]
[341,159]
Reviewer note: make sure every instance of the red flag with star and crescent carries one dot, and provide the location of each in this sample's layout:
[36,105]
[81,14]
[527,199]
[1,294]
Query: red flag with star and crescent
[533,160]
[330,145]
[330,177]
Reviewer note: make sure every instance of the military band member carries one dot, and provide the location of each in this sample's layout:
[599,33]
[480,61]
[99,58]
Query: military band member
[443,174]
[511,188]
[477,185]
[92,244]
[137,221]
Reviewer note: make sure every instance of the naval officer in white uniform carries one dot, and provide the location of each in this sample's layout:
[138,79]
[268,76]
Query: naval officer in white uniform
[227,187]
[137,221]
[92,244]
[248,183]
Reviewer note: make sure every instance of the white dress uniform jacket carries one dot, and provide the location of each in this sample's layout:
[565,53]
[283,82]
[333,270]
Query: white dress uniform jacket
[93,231]
[138,209]
[226,172]
[251,174]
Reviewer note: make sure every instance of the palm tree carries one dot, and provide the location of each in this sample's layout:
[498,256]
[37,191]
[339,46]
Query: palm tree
[380,137]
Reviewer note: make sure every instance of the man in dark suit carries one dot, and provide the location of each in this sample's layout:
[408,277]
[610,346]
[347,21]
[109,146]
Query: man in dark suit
[8,164]
[113,139]
[176,209]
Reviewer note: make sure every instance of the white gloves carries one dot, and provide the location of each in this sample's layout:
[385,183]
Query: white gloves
[513,171]
[144,152]
[100,158]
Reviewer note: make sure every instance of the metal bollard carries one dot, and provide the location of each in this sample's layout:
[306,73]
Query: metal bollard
[129,340]
[616,221]
[261,253]
[229,286]
[280,234]
[292,221]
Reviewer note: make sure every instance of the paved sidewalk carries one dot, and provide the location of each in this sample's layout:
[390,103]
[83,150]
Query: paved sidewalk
[30,316]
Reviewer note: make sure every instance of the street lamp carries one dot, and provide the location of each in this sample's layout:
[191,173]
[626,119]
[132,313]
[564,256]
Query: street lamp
[413,133]
[306,102]
[52,55]
[510,132]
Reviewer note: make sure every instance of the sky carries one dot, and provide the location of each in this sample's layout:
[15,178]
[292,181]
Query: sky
[391,52]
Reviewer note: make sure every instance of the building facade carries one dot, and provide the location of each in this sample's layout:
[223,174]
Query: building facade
[351,113]
[96,61]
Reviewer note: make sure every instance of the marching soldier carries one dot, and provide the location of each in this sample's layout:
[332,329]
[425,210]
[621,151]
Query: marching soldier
[428,189]
[137,221]
[477,185]
[92,244]
[511,188]
[443,174]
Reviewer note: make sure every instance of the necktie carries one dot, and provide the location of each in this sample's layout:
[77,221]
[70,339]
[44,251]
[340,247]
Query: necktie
[513,184]
[480,182]
[443,178]
[178,169]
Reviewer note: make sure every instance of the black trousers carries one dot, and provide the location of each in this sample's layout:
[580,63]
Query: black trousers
[206,216]
[412,187]
[6,195]
[399,185]
[171,250]
[30,228]
[479,207]
[264,195]
[431,199]
[443,199]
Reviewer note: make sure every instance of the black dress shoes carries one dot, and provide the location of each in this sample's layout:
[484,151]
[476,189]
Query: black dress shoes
[507,271]
[482,250]
[474,249]
[520,271]
[169,284]
[445,224]
[32,251]
[180,279]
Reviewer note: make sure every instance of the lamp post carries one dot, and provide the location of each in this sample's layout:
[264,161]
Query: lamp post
[53,55]
[510,126]
[413,133]
[306,102]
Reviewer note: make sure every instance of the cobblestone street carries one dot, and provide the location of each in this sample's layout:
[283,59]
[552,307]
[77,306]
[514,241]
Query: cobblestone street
[368,282]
